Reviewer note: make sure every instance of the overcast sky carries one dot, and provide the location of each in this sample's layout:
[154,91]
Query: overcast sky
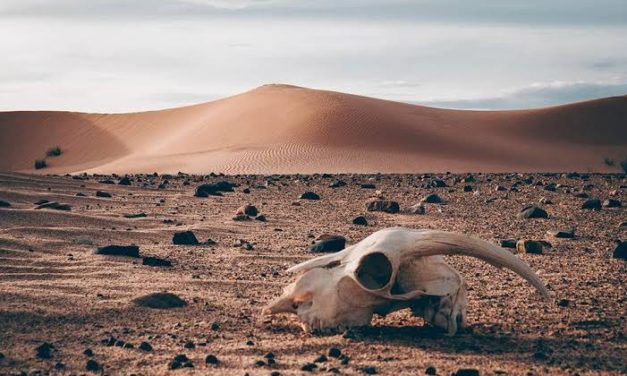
[132,55]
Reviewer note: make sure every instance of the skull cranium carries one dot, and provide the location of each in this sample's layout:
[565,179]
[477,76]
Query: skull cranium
[389,270]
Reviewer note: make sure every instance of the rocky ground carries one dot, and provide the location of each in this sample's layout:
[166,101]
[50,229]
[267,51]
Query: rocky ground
[65,308]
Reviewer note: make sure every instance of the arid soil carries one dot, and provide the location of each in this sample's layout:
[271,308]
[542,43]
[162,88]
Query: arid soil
[54,289]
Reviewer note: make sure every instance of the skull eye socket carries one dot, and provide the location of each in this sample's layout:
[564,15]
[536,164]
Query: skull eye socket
[374,271]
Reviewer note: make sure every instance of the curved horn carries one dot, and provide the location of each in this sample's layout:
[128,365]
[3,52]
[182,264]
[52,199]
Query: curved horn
[434,242]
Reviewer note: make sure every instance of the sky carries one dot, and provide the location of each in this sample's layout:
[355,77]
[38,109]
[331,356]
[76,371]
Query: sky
[135,55]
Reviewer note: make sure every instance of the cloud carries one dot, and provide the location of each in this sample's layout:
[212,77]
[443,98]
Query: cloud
[538,95]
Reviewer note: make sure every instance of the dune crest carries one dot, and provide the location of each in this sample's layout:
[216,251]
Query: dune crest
[289,129]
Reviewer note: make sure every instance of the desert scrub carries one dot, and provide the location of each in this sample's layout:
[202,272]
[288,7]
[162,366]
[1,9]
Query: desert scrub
[40,163]
[54,152]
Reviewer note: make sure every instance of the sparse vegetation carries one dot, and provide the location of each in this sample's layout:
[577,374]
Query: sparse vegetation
[609,161]
[40,163]
[54,152]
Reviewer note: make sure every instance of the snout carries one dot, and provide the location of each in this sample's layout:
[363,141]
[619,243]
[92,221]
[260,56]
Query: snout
[280,305]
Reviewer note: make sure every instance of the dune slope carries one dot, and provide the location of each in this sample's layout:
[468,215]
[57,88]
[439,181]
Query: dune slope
[288,129]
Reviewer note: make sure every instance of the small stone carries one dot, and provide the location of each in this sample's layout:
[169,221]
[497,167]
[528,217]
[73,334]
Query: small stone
[261,218]
[88,352]
[592,204]
[184,238]
[433,199]
[260,363]
[500,188]
[467,372]
[563,234]
[215,326]
[368,186]
[545,201]
[145,346]
[269,355]
[156,261]
[309,196]
[468,188]
[125,181]
[612,203]
[44,351]
[241,218]
[189,345]
[533,212]
[369,370]
[247,209]
[337,184]
[55,205]
[581,195]
[417,209]
[135,215]
[118,250]
[328,243]
[59,365]
[360,221]
[103,194]
[620,252]
[211,359]
[92,365]
[563,303]
[321,359]
[1,356]
[309,367]
[386,206]
[4,204]
[431,371]
[160,300]
[334,352]
[508,243]
[529,246]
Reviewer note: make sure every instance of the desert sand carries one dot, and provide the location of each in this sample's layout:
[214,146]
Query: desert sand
[54,289]
[288,129]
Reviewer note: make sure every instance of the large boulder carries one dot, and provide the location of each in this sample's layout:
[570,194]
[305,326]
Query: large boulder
[184,238]
[119,250]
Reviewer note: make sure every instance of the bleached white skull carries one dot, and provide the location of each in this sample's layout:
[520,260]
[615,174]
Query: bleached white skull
[389,270]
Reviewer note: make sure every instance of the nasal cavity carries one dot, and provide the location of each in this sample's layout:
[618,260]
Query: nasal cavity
[374,271]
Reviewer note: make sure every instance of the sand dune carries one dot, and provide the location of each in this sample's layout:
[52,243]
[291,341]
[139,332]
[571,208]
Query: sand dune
[288,129]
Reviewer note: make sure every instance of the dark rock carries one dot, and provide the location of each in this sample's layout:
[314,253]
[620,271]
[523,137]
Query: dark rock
[106,181]
[247,209]
[500,188]
[4,204]
[563,303]
[361,221]
[383,205]
[1,356]
[321,359]
[214,189]
[42,201]
[184,238]
[581,195]
[337,184]
[189,345]
[334,352]
[261,218]
[88,352]
[80,194]
[125,181]
[55,205]
[369,370]
[145,346]
[211,359]
[328,243]
[160,300]
[467,372]
[468,188]
[156,261]
[309,196]
[533,212]
[592,204]
[59,365]
[367,186]
[246,190]
[103,194]
[545,201]
[119,250]
[529,246]
[44,351]
[135,215]
[551,187]
[309,367]
[508,243]
[241,218]
[433,199]
[620,252]
[438,183]
[431,371]
[563,234]
[92,365]
[612,203]
[128,345]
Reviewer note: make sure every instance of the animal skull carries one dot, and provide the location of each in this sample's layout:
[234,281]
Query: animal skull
[389,270]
